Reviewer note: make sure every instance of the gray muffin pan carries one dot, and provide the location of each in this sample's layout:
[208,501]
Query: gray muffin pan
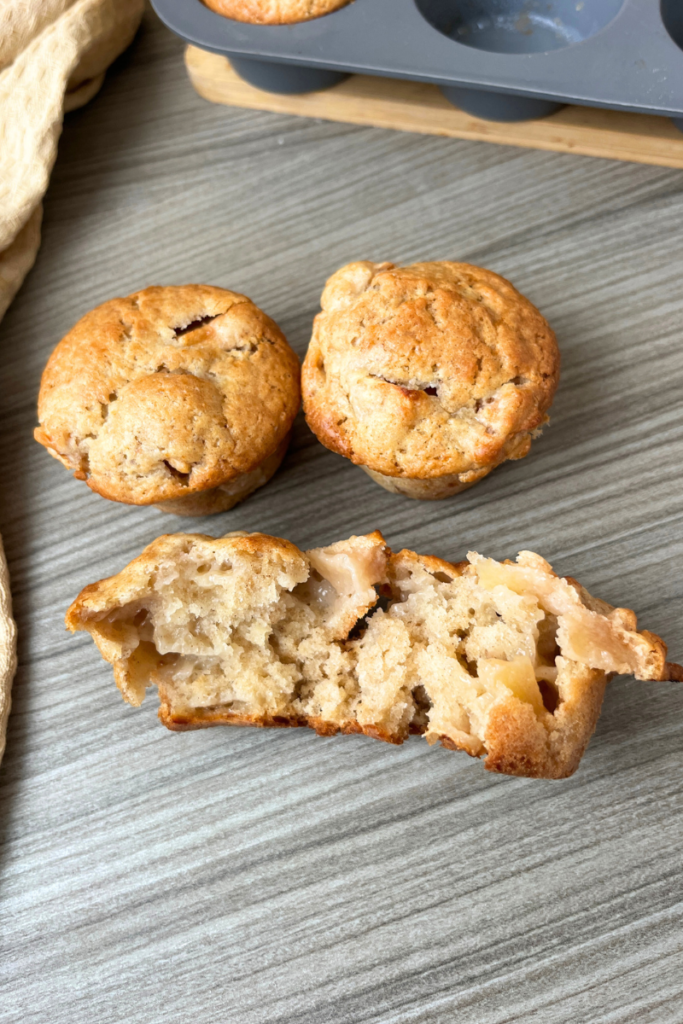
[505,60]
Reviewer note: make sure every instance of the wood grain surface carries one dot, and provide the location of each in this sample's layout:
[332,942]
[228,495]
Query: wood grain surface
[420,107]
[256,877]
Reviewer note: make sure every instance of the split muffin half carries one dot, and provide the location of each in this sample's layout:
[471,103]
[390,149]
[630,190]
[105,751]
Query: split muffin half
[507,661]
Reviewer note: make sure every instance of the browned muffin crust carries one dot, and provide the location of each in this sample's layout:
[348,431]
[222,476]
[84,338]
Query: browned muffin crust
[181,397]
[274,12]
[506,661]
[429,375]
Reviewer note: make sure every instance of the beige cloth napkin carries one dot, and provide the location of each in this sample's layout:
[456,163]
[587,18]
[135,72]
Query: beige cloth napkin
[53,55]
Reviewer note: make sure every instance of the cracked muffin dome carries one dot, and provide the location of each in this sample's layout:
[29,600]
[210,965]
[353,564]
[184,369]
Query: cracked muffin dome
[180,397]
[274,12]
[506,661]
[427,376]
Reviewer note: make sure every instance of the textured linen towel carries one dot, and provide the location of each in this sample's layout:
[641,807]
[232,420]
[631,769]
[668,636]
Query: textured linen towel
[53,55]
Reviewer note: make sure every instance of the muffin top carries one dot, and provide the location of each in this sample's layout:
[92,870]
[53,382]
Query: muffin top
[427,370]
[274,12]
[168,392]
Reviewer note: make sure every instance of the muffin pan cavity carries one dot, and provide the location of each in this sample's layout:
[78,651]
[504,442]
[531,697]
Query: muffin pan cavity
[498,59]
[519,26]
[286,79]
[514,26]
[672,16]
[499,106]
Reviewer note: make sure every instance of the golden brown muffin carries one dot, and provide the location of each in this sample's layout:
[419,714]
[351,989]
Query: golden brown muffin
[274,12]
[179,397]
[427,376]
[506,661]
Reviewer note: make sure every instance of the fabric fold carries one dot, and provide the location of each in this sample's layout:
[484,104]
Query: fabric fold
[53,55]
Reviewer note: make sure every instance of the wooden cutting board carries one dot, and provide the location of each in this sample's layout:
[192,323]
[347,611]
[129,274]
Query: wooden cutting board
[418,107]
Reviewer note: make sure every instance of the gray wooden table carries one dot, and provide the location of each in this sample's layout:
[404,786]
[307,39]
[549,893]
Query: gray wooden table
[252,876]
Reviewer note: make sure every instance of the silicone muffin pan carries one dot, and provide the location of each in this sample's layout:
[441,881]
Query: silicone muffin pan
[500,59]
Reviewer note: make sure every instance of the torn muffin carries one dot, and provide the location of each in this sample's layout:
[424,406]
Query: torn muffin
[427,376]
[180,397]
[507,661]
[274,12]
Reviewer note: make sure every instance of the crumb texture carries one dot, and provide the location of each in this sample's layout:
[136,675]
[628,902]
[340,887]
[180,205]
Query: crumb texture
[274,12]
[169,393]
[435,370]
[507,661]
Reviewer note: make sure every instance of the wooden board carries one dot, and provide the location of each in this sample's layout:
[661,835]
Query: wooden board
[243,876]
[417,107]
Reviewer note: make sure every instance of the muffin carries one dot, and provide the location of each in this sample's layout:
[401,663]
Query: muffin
[179,397]
[427,376]
[274,12]
[506,661]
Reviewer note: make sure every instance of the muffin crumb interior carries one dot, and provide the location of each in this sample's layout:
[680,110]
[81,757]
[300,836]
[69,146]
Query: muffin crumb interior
[354,638]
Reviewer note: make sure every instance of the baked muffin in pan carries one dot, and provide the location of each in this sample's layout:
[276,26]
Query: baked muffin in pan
[274,12]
